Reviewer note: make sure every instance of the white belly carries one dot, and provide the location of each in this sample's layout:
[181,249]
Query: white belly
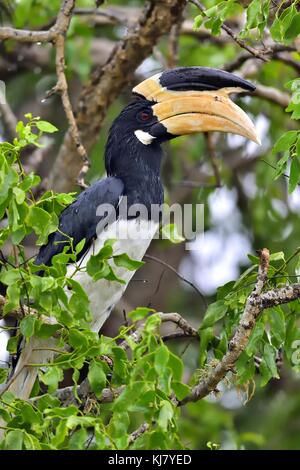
[103,294]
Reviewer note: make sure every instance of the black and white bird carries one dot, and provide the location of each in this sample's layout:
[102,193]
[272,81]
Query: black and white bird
[175,102]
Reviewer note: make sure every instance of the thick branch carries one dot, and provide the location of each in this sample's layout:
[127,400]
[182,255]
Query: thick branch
[66,395]
[272,94]
[240,338]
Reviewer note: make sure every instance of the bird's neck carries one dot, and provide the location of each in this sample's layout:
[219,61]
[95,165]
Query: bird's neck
[138,166]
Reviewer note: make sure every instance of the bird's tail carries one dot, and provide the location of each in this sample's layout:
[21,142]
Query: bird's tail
[35,352]
[21,382]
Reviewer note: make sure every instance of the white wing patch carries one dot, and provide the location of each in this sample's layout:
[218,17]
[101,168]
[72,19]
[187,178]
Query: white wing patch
[105,294]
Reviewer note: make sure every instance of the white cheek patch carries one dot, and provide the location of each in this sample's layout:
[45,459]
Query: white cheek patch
[144,137]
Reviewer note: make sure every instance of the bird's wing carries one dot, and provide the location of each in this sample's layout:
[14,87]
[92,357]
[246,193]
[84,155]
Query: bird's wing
[79,220]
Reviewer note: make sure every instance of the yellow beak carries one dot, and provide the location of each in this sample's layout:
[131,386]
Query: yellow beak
[191,111]
[203,112]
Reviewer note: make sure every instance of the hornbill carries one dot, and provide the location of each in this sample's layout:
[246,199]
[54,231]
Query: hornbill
[175,102]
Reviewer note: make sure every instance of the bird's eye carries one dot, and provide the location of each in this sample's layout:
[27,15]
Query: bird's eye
[144,115]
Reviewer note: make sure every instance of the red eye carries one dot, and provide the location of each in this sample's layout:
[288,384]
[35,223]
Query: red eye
[144,115]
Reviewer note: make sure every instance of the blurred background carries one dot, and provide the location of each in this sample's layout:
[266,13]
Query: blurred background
[245,208]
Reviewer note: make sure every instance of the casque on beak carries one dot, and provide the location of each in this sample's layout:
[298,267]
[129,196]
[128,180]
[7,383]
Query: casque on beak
[189,100]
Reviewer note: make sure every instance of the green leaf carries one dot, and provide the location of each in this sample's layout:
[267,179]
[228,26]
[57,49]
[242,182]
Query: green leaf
[215,312]
[279,256]
[78,439]
[161,359]
[111,276]
[294,174]
[124,261]
[270,358]
[245,368]
[206,335]
[14,440]
[29,181]
[77,339]
[29,414]
[12,344]
[97,268]
[285,141]
[3,375]
[27,326]
[166,413]
[198,20]
[119,423]
[19,194]
[294,28]
[129,396]
[79,246]
[255,337]
[170,232]
[265,372]
[139,313]
[181,390]
[52,377]
[59,412]
[281,24]
[45,126]
[176,365]
[47,401]
[96,377]
[277,322]
[42,223]
[12,298]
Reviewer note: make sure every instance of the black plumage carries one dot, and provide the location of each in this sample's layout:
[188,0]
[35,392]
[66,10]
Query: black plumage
[79,220]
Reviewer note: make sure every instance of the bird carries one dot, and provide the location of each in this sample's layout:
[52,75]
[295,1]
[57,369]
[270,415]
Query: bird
[175,102]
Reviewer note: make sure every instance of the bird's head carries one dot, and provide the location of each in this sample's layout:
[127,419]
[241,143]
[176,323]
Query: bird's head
[181,101]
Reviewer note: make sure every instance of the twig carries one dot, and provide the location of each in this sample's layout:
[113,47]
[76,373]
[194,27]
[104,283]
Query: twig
[66,395]
[62,88]
[179,335]
[256,53]
[167,265]
[141,430]
[179,321]
[272,52]
[60,27]
[274,168]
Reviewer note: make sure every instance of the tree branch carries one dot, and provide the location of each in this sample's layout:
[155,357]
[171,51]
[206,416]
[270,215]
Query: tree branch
[272,94]
[254,52]
[60,27]
[62,88]
[171,268]
[240,338]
